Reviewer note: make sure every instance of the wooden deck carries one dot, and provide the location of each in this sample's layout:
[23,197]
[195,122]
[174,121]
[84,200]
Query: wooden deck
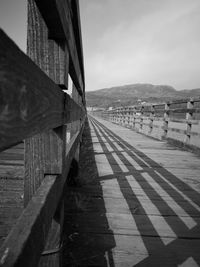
[11,188]
[136,203]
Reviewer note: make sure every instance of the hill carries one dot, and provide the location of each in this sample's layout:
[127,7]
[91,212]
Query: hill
[130,94]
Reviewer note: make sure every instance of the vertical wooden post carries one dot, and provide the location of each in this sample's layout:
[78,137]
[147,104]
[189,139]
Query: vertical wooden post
[189,117]
[114,116]
[75,126]
[44,152]
[120,116]
[166,120]
[129,116]
[134,116]
[141,117]
[151,118]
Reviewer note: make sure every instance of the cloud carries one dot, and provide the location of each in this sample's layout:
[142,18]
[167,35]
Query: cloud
[156,43]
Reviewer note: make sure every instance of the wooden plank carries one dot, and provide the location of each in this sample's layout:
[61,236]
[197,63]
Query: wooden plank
[97,249]
[30,101]
[73,110]
[113,224]
[11,188]
[77,33]
[75,66]
[44,152]
[32,227]
[51,17]
[59,22]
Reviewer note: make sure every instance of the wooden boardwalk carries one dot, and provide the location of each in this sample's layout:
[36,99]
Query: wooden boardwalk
[11,188]
[138,202]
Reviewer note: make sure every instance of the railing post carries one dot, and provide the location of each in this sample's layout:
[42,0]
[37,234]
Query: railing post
[189,117]
[129,116]
[134,116]
[166,120]
[151,118]
[44,152]
[141,118]
[115,116]
[120,116]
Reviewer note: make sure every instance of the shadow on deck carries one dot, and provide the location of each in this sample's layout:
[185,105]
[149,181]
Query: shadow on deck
[88,240]
[128,210]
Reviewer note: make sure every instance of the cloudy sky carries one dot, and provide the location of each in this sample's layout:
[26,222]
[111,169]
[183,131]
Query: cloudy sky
[130,41]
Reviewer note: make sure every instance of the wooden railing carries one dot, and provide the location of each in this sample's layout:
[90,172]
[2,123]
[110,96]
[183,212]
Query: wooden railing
[34,108]
[178,121]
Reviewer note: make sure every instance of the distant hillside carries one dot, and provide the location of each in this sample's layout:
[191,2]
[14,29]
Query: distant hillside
[130,94]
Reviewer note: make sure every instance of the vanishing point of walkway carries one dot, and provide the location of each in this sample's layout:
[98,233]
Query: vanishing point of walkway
[137,202]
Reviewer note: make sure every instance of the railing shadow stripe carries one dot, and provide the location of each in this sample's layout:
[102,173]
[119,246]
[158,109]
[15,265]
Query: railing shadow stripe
[174,194]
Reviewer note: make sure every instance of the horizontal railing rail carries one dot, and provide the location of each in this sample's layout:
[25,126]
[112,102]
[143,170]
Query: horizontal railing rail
[30,101]
[26,240]
[177,121]
[35,108]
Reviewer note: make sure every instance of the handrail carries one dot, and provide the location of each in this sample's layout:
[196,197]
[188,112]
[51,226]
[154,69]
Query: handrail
[177,121]
[32,227]
[34,108]
[58,17]
[30,101]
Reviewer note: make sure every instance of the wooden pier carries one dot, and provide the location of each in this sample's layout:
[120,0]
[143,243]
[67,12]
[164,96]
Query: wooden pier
[137,204]
[135,200]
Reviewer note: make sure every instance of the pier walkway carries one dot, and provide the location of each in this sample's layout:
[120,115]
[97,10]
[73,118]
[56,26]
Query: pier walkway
[136,203]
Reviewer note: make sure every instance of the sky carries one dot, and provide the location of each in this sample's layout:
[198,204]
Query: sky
[129,41]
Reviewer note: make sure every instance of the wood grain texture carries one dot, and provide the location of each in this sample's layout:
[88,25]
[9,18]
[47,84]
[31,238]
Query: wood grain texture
[130,216]
[30,102]
[44,152]
[75,68]
[11,188]
[30,231]
[58,18]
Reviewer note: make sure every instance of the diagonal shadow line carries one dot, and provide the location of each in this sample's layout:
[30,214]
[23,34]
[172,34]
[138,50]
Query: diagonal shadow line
[180,200]
[183,247]
[82,247]
[189,208]
[129,191]
[172,246]
[154,196]
[195,196]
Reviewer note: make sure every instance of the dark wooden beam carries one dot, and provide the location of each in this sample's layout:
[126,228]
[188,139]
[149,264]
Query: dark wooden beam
[63,8]
[58,18]
[30,102]
[29,233]
[51,17]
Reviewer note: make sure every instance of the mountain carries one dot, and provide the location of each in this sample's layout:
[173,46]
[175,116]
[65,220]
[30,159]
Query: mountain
[130,94]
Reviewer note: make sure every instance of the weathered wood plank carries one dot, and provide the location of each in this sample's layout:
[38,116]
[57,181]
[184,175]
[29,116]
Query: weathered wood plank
[75,66]
[44,152]
[11,188]
[114,224]
[30,101]
[59,22]
[32,227]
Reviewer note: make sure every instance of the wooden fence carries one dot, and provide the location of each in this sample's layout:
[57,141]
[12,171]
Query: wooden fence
[35,108]
[177,121]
